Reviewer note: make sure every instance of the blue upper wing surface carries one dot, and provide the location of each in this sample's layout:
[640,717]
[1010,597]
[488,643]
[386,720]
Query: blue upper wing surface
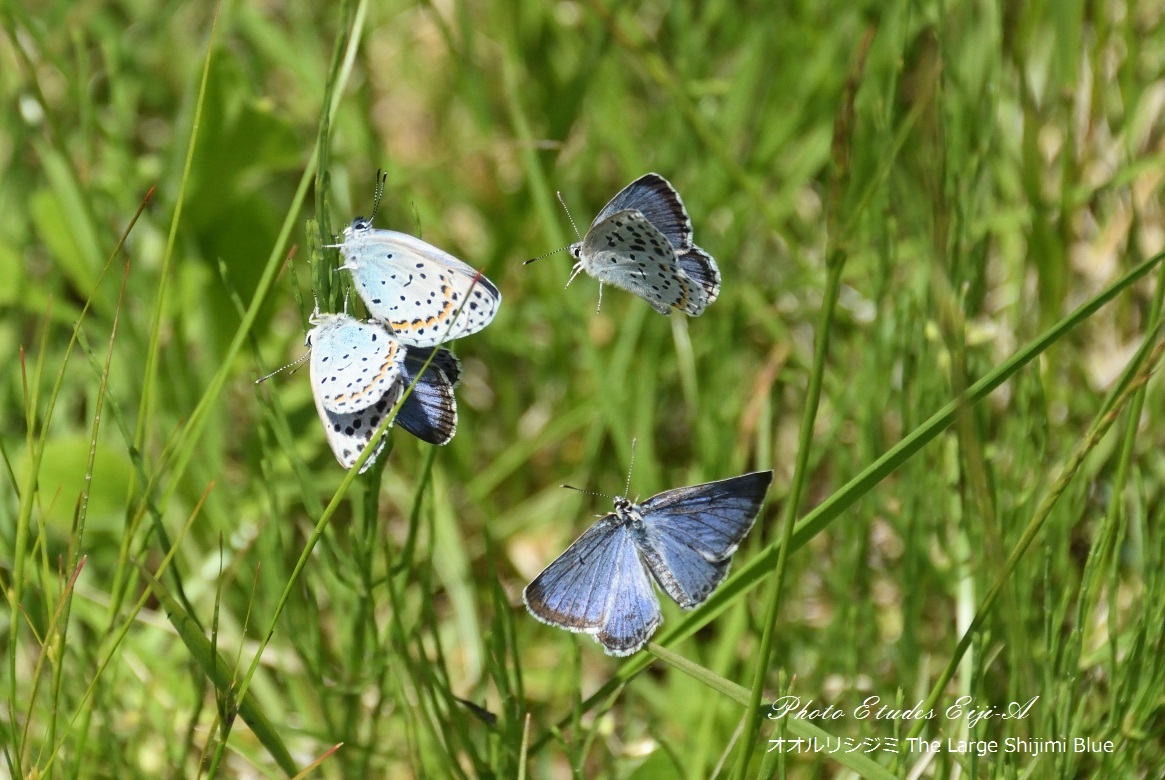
[599,586]
[689,534]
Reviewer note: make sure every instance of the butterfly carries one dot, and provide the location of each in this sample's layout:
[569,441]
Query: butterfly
[642,242]
[359,372]
[683,539]
[355,371]
[424,294]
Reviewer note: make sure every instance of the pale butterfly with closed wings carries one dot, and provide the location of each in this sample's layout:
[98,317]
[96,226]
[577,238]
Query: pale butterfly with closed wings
[682,538]
[641,242]
[424,294]
[359,372]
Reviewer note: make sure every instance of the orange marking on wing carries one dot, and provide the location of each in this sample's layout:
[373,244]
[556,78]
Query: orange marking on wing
[387,367]
[407,325]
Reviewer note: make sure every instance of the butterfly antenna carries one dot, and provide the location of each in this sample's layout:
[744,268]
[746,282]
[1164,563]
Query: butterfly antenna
[588,492]
[572,225]
[293,364]
[377,193]
[627,490]
[568,216]
[539,257]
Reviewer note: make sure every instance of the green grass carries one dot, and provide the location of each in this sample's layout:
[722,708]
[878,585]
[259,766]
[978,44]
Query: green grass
[968,469]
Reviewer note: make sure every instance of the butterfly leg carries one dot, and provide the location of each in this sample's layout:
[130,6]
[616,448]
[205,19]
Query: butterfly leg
[578,267]
[600,306]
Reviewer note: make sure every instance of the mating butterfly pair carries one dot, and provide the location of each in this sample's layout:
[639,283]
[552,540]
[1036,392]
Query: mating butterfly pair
[419,297]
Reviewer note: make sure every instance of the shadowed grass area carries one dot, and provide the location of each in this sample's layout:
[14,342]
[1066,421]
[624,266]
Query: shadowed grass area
[938,228]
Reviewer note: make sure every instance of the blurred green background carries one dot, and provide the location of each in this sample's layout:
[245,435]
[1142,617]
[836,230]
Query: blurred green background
[1000,164]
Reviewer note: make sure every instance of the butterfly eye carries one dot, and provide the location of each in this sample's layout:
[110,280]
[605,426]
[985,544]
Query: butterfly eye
[576,251]
[360,223]
[307,340]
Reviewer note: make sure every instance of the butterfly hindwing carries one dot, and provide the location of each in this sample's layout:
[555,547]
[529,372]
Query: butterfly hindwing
[633,611]
[690,533]
[348,434]
[700,266]
[430,410]
[423,293]
[682,571]
[599,586]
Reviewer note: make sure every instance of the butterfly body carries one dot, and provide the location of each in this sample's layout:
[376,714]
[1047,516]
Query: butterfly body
[683,539]
[641,242]
[424,294]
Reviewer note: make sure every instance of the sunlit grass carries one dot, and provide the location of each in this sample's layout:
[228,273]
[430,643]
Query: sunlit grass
[1002,169]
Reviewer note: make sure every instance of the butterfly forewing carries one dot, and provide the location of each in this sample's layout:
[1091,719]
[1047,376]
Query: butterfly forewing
[627,251]
[655,198]
[690,533]
[353,363]
[424,294]
[430,410]
[598,586]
